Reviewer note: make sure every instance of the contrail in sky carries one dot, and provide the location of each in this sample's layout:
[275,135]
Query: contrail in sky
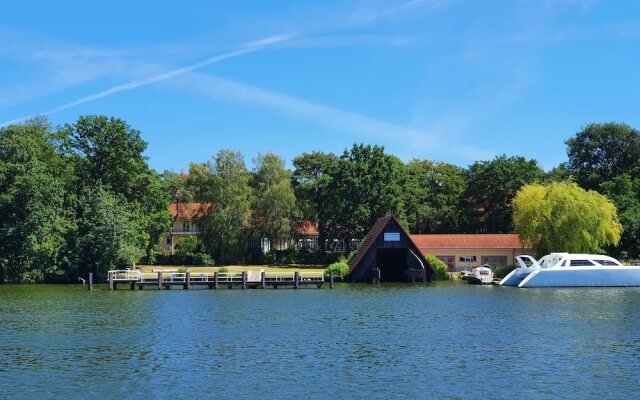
[247,48]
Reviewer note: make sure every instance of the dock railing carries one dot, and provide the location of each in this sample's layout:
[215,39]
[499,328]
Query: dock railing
[125,275]
[246,279]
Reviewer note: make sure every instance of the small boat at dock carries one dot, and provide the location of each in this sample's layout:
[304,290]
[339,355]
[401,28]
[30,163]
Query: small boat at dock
[480,276]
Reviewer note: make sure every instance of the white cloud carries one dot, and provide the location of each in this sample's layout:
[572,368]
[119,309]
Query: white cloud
[417,140]
[247,48]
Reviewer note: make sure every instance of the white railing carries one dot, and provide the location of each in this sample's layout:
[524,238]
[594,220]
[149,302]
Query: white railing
[125,275]
[202,277]
[312,276]
[279,277]
[229,276]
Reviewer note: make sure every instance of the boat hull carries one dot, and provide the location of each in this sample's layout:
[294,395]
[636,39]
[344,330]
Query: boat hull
[515,277]
[479,281]
[583,277]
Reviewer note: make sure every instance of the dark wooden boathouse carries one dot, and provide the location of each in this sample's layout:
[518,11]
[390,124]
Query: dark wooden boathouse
[389,255]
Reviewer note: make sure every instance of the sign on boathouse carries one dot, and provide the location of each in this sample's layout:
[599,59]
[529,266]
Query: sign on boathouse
[392,236]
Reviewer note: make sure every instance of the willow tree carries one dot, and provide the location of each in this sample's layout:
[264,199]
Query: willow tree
[562,217]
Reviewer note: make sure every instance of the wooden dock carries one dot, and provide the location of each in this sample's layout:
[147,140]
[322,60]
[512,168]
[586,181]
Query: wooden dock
[216,280]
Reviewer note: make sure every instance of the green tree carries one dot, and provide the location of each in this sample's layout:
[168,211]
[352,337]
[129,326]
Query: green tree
[275,203]
[311,178]
[624,191]
[433,194]
[600,152]
[32,200]
[224,184]
[558,174]
[108,153]
[562,217]
[367,185]
[491,187]
[108,236]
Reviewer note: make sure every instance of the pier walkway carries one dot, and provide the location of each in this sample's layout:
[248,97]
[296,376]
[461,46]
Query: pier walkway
[216,280]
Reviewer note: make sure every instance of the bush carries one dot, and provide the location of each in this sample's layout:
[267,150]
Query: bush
[223,270]
[189,246]
[183,259]
[440,267]
[340,269]
[182,270]
[501,272]
[289,256]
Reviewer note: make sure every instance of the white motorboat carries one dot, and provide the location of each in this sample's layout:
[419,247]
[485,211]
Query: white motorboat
[571,270]
[480,275]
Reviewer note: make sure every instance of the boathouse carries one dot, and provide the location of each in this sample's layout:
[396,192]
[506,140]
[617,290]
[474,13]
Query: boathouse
[388,254]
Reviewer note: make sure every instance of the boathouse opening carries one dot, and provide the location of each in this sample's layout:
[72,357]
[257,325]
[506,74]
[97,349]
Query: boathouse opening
[392,264]
[388,254]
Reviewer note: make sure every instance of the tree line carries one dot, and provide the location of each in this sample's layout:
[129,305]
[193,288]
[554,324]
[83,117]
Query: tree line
[81,197]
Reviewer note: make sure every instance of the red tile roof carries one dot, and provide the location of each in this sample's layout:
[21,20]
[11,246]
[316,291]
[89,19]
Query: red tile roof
[307,228]
[192,210]
[467,241]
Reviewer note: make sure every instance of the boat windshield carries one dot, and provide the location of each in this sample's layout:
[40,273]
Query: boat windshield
[607,263]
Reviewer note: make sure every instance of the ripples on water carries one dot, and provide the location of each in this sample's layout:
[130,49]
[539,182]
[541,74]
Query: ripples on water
[356,341]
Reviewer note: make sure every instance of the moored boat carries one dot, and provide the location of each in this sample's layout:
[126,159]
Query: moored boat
[572,270]
[480,276]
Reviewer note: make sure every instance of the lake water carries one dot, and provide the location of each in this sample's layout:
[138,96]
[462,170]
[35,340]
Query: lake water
[356,341]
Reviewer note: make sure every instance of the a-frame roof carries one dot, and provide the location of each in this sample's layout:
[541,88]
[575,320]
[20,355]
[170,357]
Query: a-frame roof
[372,236]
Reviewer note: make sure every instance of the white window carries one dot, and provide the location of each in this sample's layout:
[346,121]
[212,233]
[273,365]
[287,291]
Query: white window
[185,226]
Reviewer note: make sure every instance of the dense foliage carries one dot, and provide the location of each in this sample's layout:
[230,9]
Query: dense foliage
[340,269]
[77,199]
[562,217]
[440,267]
[81,198]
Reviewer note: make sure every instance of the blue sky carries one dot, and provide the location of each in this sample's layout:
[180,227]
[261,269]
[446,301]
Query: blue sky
[447,80]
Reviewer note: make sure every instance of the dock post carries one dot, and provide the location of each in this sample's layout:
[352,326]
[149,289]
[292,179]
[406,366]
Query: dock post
[244,279]
[263,281]
[132,286]
[187,283]
[215,280]
[296,278]
[159,280]
[111,283]
[331,280]
[424,276]
[90,280]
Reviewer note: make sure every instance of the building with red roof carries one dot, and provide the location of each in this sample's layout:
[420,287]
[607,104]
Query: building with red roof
[461,251]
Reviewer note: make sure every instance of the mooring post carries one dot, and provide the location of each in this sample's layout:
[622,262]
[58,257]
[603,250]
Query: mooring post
[331,280]
[244,279]
[187,283]
[215,280]
[90,280]
[296,278]
[111,283]
[424,276]
[132,286]
[263,281]
[159,280]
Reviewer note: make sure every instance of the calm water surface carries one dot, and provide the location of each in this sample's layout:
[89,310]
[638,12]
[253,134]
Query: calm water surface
[356,341]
